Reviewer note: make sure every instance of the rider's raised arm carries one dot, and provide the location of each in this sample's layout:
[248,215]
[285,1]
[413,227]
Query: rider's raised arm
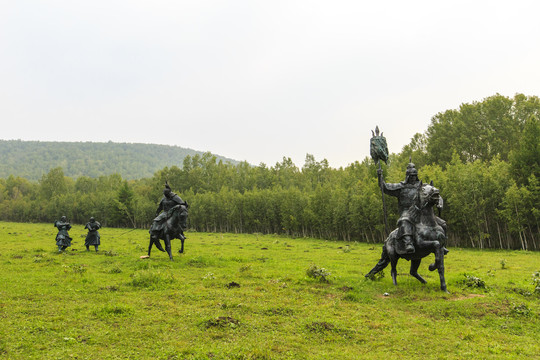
[390,189]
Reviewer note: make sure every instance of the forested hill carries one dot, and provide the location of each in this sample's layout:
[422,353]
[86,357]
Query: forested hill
[32,159]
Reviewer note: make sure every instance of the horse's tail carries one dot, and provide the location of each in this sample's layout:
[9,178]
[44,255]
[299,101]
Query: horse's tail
[383,262]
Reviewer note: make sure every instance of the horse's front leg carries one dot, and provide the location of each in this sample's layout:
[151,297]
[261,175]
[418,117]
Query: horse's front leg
[440,268]
[182,238]
[150,245]
[168,245]
[415,264]
[393,272]
[437,251]
[181,251]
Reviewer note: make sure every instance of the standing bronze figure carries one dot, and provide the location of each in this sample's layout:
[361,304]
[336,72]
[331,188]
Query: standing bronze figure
[93,237]
[170,222]
[63,241]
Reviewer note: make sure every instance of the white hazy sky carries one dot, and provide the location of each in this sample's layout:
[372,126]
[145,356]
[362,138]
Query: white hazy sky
[257,80]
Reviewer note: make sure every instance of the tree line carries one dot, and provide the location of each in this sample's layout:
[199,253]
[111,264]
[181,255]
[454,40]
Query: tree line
[491,196]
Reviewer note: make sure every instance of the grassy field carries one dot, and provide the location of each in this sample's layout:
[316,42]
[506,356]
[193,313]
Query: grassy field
[249,297]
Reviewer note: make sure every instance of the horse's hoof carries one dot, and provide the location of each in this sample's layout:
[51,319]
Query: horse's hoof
[432,267]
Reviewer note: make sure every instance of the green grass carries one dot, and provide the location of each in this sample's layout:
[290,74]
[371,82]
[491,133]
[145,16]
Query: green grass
[250,297]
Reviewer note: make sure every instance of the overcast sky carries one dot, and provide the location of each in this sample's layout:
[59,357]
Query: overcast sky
[257,80]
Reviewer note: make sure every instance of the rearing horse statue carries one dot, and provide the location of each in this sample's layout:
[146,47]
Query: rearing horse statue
[173,228]
[430,237]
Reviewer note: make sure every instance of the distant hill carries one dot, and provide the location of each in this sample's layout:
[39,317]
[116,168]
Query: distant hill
[32,159]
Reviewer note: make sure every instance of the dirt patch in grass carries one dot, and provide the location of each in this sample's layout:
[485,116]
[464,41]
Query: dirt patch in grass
[110,288]
[222,321]
[233,285]
[320,326]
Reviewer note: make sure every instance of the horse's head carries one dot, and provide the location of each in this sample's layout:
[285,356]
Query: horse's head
[428,195]
[177,215]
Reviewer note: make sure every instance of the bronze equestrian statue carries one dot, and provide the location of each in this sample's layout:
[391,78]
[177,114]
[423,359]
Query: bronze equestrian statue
[170,222]
[427,237]
[419,231]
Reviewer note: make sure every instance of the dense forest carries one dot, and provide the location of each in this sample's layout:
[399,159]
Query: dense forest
[32,159]
[484,157]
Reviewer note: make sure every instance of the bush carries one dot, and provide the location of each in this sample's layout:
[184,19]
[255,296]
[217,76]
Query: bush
[474,282]
[536,282]
[318,273]
[520,310]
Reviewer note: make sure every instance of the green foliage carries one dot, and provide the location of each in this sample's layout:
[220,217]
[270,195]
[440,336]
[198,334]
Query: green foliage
[536,282]
[483,157]
[473,282]
[481,130]
[32,159]
[484,207]
[520,310]
[318,273]
[525,159]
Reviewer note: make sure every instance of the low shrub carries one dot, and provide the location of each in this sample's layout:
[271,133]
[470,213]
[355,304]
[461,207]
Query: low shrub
[474,282]
[318,273]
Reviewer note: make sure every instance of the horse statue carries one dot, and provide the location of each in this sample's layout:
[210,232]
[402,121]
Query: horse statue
[430,237]
[172,228]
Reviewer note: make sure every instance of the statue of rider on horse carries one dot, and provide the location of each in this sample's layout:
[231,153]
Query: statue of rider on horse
[170,221]
[419,231]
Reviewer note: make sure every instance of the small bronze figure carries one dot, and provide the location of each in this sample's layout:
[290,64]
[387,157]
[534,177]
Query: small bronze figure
[62,238]
[170,221]
[93,237]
